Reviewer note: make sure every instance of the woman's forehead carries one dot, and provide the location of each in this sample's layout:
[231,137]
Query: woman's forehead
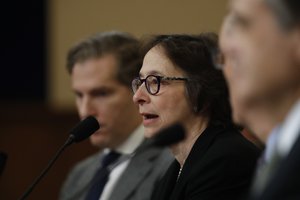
[156,62]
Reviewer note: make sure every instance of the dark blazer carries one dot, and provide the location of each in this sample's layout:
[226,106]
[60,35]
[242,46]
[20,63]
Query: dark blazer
[220,166]
[136,183]
[285,184]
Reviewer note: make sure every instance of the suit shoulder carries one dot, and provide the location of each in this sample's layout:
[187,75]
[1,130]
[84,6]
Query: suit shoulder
[83,166]
[233,142]
[158,155]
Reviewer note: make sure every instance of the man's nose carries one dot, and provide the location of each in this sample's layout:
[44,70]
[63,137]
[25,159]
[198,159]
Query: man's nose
[87,108]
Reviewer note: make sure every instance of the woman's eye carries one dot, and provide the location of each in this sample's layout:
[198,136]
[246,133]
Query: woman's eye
[154,81]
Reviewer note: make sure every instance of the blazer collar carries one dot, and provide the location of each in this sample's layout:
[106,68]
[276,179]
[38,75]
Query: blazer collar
[138,168]
[197,153]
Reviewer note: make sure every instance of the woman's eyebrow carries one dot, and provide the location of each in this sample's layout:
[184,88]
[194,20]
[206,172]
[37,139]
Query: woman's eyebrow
[153,72]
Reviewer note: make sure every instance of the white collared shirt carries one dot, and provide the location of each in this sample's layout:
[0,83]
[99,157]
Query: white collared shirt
[127,149]
[289,131]
[271,145]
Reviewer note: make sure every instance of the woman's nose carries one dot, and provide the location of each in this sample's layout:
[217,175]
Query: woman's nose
[141,95]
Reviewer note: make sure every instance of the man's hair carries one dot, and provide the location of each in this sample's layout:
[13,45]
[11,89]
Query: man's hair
[207,90]
[123,46]
[287,11]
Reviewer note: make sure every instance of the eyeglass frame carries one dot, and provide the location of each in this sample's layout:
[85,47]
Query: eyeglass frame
[158,78]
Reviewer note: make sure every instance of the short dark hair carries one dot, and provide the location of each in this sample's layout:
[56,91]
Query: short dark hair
[123,46]
[287,11]
[207,92]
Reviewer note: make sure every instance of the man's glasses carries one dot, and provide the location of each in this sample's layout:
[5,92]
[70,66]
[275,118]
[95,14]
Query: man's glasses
[152,82]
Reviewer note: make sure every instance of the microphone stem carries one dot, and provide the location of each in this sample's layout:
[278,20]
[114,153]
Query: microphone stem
[38,179]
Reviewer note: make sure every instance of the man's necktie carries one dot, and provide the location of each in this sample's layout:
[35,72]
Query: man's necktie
[101,177]
[265,171]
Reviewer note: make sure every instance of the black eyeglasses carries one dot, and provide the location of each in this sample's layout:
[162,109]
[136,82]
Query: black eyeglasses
[152,82]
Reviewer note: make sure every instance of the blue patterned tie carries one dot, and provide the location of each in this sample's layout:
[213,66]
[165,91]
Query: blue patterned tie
[101,177]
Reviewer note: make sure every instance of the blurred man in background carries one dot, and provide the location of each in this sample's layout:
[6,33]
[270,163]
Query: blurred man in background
[102,68]
[260,40]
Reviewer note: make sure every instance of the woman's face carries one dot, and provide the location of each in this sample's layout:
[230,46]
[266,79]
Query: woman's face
[170,104]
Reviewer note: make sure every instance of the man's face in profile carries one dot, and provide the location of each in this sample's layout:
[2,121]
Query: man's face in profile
[259,56]
[99,93]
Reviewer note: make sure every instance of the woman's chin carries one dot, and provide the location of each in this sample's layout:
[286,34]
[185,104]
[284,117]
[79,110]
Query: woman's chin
[150,132]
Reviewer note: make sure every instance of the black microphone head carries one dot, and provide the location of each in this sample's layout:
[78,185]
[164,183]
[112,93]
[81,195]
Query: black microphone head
[168,136]
[84,129]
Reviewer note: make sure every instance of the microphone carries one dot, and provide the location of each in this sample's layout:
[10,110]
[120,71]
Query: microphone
[80,132]
[83,130]
[165,137]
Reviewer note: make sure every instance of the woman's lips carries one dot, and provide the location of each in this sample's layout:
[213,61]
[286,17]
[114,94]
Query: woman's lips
[149,119]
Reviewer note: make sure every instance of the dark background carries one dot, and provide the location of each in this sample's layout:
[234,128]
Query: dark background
[23,50]
[30,132]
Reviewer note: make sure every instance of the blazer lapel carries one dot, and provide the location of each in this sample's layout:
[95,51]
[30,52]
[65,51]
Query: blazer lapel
[137,170]
[198,150]
[285,182]
[167,185]
[86,174]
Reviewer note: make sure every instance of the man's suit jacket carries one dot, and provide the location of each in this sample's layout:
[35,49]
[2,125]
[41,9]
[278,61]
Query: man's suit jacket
[136,183]
[285,183]
[219,166]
